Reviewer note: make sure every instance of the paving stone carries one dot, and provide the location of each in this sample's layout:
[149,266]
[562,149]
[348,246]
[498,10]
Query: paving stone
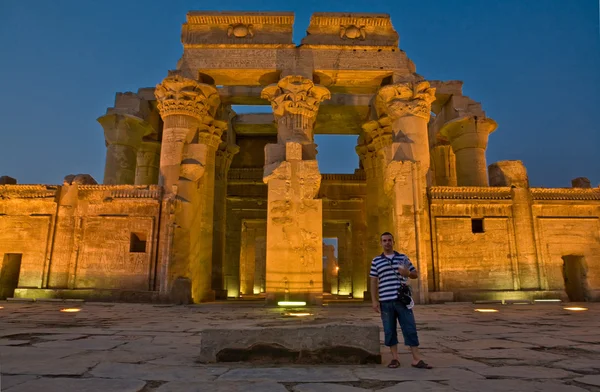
[590,380]
[48,366]
[222,386]
[511,386]
[62,336]
[509,353]
[326,387]
[412,374]
[93,343]
[528,372]
[584,338]
[290,374]
[116,356]
[580,365]
[545,341]
[176,360]
[10,342]
[594,348]
[7,381]
[156,372]
[484,344]
[418,386]
[79,385]
[15,353]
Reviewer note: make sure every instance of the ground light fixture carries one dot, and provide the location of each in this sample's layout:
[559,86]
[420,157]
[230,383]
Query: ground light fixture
[575,308]
[298,314]
[486,310]
[546,300]
[70,310]
[291,303]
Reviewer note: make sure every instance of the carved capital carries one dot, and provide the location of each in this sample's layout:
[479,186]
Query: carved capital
[177,95]
[468,132]
[295,101]
[378,134]
[124,129]
[210,134]
[225,154]
[405,99]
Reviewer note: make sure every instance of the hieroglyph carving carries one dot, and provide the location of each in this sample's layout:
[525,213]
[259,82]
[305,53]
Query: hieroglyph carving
[353,32]
[179,95]
[405,99]
[240,30]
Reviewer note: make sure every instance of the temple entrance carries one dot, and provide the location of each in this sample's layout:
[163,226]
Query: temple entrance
[253,257]
[9,274]
[337,258]
[330,266]
[575,276]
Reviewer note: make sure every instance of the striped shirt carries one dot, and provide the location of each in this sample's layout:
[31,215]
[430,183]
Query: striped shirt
[385,269]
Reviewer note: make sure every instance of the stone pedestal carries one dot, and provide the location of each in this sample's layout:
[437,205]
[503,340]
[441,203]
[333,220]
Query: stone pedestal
[513,174]
[294,267]
[468,136]
[191,137]
[123,135]
[148,163]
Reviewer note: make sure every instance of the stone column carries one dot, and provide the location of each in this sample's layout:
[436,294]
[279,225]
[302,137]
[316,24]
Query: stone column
[443,163]
[294,217]
[248,260]
[468,136]
[513,174]
[148,163]
[408,106]
[123,134]
[191,137]
[224,157]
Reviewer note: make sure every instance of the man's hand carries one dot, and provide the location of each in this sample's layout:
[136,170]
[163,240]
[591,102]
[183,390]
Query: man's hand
[403,271]
[375,306]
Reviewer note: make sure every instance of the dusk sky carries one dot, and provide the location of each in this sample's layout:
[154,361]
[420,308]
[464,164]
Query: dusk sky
[533,64]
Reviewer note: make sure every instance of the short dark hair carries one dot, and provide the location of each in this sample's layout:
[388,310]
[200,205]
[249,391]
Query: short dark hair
[387,233]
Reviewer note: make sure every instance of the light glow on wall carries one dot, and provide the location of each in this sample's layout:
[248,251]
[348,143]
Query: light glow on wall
[486,310]
[70,310]
[575,308]
[291,303]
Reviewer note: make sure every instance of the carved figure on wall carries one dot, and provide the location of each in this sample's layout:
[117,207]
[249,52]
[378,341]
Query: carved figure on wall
[353,32]
[240,30]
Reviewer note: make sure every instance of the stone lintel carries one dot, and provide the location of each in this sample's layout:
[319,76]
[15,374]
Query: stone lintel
[237,29]
[356,29]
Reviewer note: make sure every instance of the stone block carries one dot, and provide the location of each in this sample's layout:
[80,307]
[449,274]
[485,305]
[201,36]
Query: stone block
[439,297]
[79,179]
[331,343]
[293,151]
[181,292]
[6,180]
[581,182]
[508,173]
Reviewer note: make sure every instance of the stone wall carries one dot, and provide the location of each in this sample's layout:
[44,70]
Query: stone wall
[80,237]
[477,254]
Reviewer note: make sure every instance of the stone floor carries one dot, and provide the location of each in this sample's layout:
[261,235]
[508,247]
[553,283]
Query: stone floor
[135,347]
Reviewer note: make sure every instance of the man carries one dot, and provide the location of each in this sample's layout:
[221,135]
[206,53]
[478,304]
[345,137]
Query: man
[389,271]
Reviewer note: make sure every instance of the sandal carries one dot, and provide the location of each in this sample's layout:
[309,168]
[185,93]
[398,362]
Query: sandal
[422,365]
[394,364]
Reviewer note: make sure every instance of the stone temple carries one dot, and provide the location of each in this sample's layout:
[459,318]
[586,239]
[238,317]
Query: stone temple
[200,203]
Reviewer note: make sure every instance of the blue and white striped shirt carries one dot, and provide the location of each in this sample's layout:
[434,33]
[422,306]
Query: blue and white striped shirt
[386,270]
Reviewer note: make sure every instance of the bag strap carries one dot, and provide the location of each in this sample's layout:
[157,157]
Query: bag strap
[392,267]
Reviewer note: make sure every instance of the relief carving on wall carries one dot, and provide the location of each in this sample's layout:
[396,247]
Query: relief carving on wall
[353,32]
[240,30]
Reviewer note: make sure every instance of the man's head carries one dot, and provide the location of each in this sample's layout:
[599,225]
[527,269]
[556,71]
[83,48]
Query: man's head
[387,241]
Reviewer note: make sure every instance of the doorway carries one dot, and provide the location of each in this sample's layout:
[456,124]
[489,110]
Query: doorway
[330,266]
[9,274]
[575,276]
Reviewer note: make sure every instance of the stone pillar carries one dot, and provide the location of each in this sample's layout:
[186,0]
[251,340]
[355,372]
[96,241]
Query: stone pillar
[224,157]
[408,106]
[123,134]
[443,163]
[248,260]
[468,136]
[191,137]
[294,217]
[148,163]
[513,174]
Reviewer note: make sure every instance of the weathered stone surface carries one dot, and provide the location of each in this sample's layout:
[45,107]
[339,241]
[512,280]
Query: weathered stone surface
[508,173]
[90,343]
[326,387]
[181,291]
[581,182]
[332,343]
[527,372]
[7,381]
[511,386]
[580,365]
[83,385]
[411,374]
[156,372]
[6,180]
[521,354]
[589,380]
[295,374]
[418,386]
[482,344]
[47,366]
[222,386]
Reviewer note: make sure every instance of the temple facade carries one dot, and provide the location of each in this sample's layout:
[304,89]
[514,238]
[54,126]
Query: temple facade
[201,203]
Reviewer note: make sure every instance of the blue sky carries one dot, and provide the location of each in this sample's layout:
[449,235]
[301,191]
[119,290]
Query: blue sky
[534,65]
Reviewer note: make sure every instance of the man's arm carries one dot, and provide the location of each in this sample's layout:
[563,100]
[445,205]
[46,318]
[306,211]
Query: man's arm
[374,290]
[408,270]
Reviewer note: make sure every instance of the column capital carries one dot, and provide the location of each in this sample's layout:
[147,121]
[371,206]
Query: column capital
[225,154]
[468,132]
[378,134]
[177,95]
[124,129]
[295,101]
[211,133]
[405,99]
